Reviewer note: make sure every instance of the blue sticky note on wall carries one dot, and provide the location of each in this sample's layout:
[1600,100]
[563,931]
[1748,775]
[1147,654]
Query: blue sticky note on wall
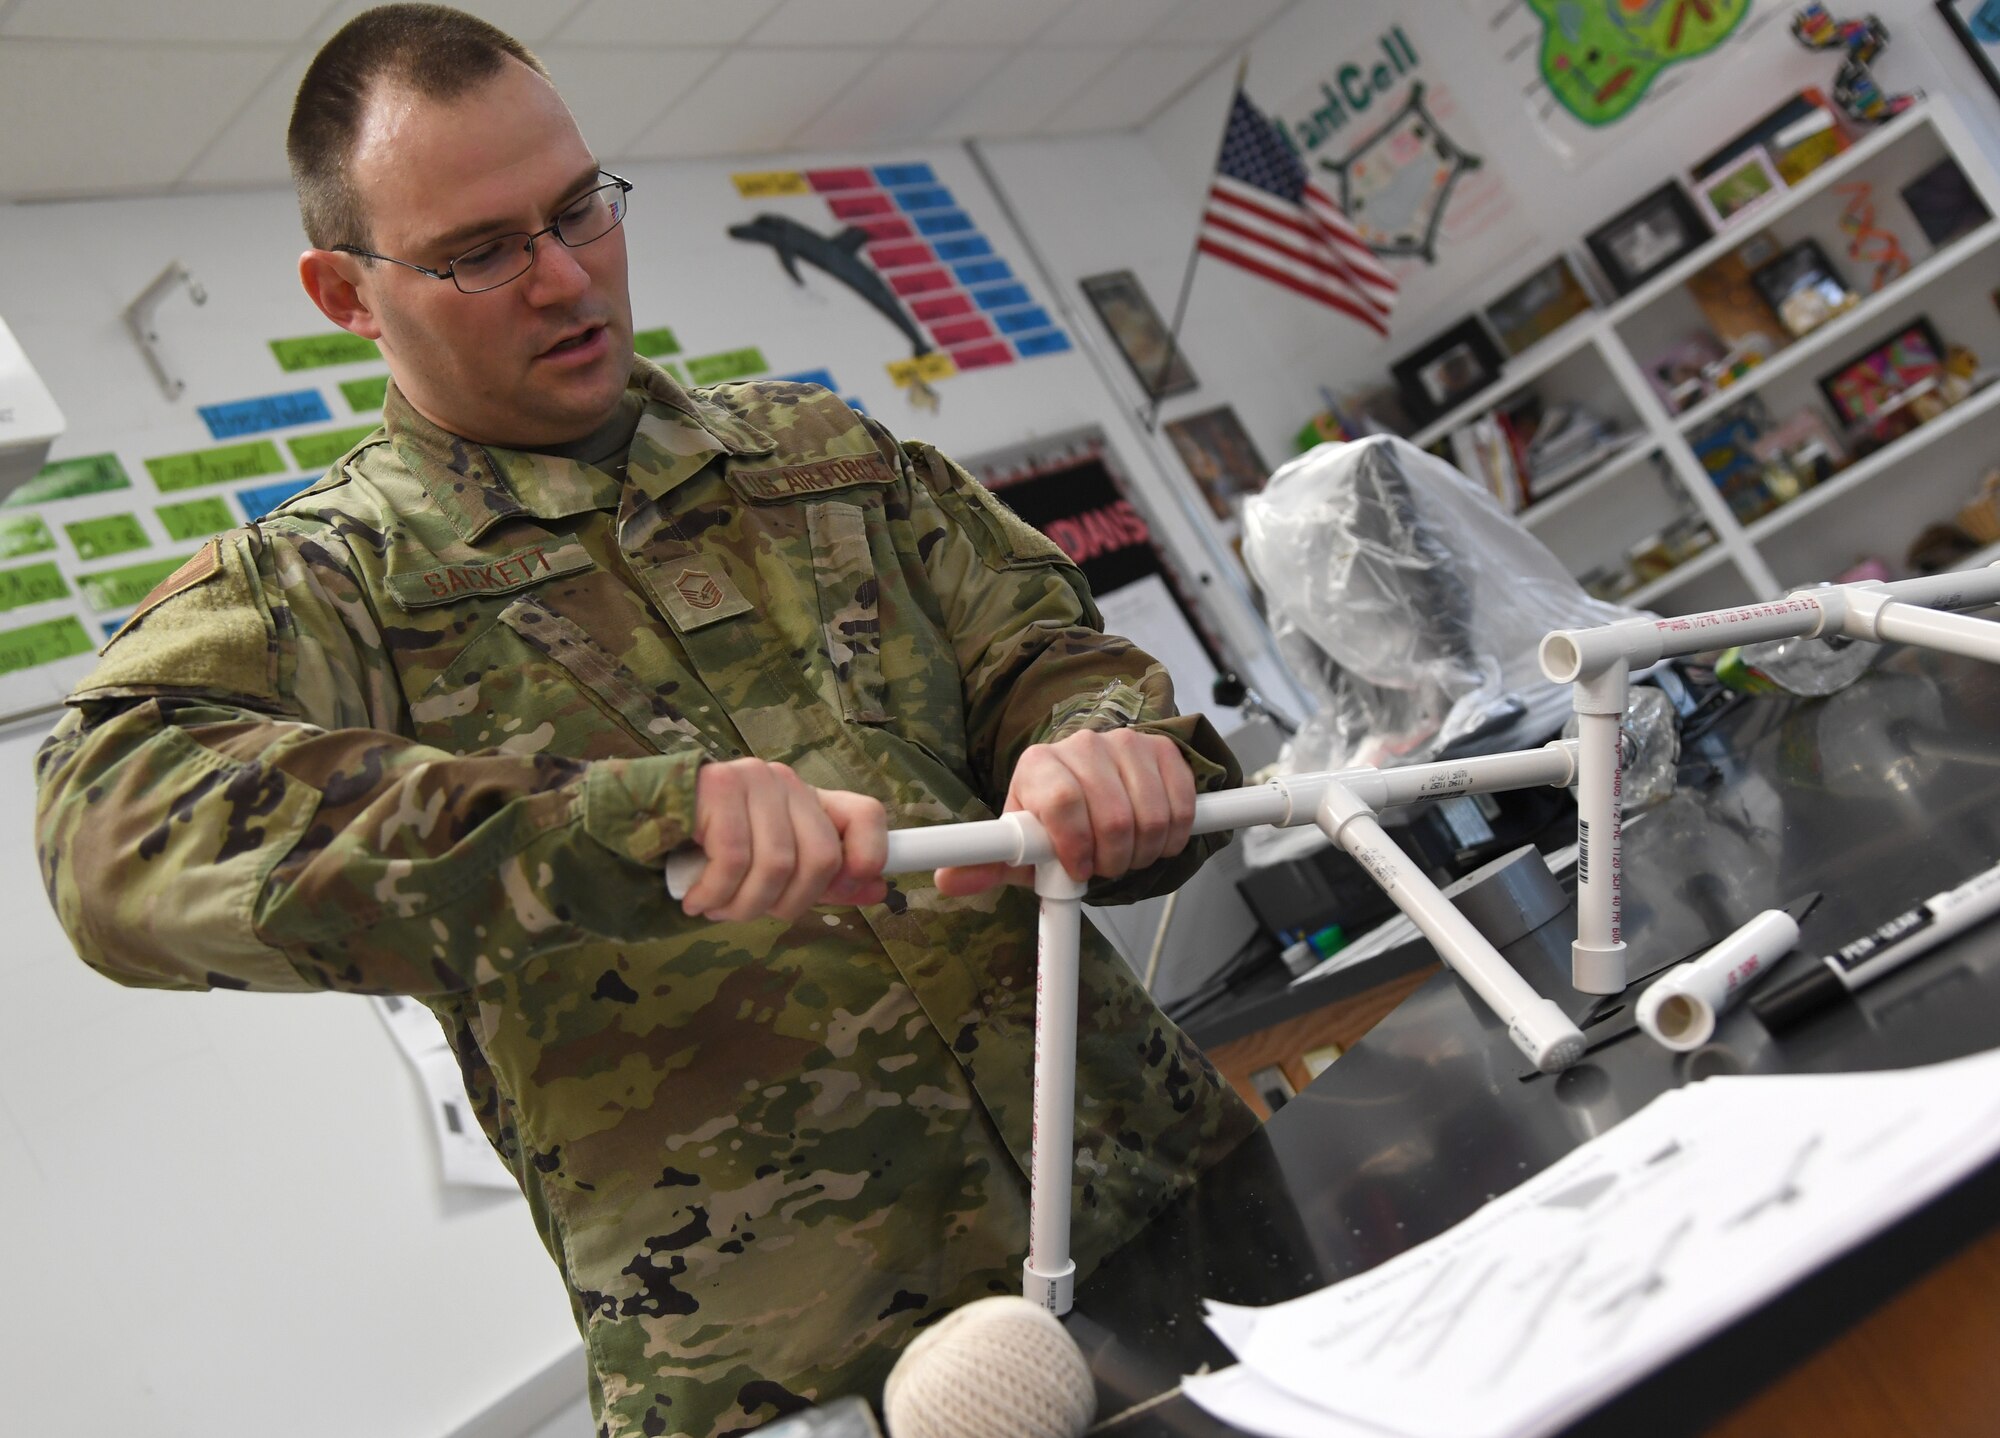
[945,222]
[272,411]
[965,247]
[264,498]
[1047,343]
[1012,322]
[889,176]
[821,377]
[928,197]
[981,272]
[997,297]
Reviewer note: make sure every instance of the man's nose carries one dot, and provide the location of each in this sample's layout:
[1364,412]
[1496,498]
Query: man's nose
[554,274]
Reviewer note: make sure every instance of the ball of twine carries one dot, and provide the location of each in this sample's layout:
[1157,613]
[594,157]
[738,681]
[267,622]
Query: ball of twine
[997,1368]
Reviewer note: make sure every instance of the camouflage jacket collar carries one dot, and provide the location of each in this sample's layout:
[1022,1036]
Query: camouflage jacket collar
[476,486]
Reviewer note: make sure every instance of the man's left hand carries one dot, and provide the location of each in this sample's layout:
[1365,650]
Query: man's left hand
[1111,802]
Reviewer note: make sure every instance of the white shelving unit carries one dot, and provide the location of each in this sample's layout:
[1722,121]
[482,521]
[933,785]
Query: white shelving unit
[1599,509]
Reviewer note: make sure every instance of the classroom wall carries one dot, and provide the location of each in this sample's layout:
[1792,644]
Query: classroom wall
[1133,201]
[221,1213]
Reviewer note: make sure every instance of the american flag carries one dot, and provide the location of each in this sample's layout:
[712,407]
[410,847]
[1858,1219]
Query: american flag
[1265,214]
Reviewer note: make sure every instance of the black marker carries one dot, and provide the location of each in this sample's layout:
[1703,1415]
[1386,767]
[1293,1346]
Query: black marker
[1860,963]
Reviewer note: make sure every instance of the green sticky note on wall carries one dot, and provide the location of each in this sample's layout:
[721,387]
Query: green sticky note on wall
[192,518]
[366,395]
[215,466]
[43,643]
[107,535]
[734,364]
[654,343]
[24,534]
[67,478]
[318,351]
[31,584]
[317,451]
[110,589]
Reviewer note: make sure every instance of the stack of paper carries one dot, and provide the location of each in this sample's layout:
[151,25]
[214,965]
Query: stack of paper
[1633,1249]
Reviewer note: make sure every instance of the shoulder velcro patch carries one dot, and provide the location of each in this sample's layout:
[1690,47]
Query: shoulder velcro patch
[1003,538]
[203,565]
[214,632]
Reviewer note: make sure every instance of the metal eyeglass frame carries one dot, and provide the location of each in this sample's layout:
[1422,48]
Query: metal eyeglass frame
[450,270]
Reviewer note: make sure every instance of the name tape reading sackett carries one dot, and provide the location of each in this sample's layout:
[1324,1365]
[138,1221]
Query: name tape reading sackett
[494,576]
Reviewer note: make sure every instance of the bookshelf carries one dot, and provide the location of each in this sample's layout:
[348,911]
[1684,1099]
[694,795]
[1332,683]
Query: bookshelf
[1600,509]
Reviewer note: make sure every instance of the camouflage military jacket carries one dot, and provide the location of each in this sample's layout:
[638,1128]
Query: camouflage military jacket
[430,729]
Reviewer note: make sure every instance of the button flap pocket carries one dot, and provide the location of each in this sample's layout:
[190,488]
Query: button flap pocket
[566,644]
[849,606]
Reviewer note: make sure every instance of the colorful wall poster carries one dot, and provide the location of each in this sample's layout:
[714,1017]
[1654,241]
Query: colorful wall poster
[1382,132]
[1584,67]
[898,238]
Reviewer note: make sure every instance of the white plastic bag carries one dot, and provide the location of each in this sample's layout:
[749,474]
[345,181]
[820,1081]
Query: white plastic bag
[1404,598]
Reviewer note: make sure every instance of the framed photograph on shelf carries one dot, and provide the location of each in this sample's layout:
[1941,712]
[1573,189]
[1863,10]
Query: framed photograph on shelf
[1682,376]
[1802,287]
[1218,452]
[1800,135]
[1738,187]
[1136,328]
[1451,366]
[1944,204]
[1645,238]
[1539,305]
[1880,376]
[1976,23]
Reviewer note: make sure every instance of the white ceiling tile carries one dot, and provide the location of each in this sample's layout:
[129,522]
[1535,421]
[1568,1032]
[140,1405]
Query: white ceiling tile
[753,101]
[616,95]
[1205,20]
[899,99]
[250,149]
[840,22]
[1026,91]
[1137,87]
[984,22]
[529,21]
[1108,22]
[218,21]
[664,22]
[96,119]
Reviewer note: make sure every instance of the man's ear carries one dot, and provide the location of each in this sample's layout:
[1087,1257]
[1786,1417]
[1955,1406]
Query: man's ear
[330,282]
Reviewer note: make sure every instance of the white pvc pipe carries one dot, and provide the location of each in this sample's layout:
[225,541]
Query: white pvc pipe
[1570,654]
[1535,1025]
[1048,1277]
[1912,624]
[1554,764]
[1015,838]
[1954,589]
[1597,956]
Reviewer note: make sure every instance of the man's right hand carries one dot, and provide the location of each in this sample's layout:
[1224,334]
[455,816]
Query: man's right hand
[777,846]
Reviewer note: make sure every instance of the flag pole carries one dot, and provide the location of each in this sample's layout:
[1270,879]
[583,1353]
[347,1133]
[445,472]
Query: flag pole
[1194,253]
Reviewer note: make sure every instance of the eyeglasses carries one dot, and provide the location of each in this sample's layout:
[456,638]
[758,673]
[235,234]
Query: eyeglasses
[505,258]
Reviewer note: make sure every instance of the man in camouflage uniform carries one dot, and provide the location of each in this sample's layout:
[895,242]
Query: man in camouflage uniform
[432,727]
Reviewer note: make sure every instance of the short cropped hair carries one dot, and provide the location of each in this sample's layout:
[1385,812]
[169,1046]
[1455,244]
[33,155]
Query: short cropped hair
[435,51]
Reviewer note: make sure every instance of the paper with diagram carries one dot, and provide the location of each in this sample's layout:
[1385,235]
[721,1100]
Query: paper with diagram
[1631,1250]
